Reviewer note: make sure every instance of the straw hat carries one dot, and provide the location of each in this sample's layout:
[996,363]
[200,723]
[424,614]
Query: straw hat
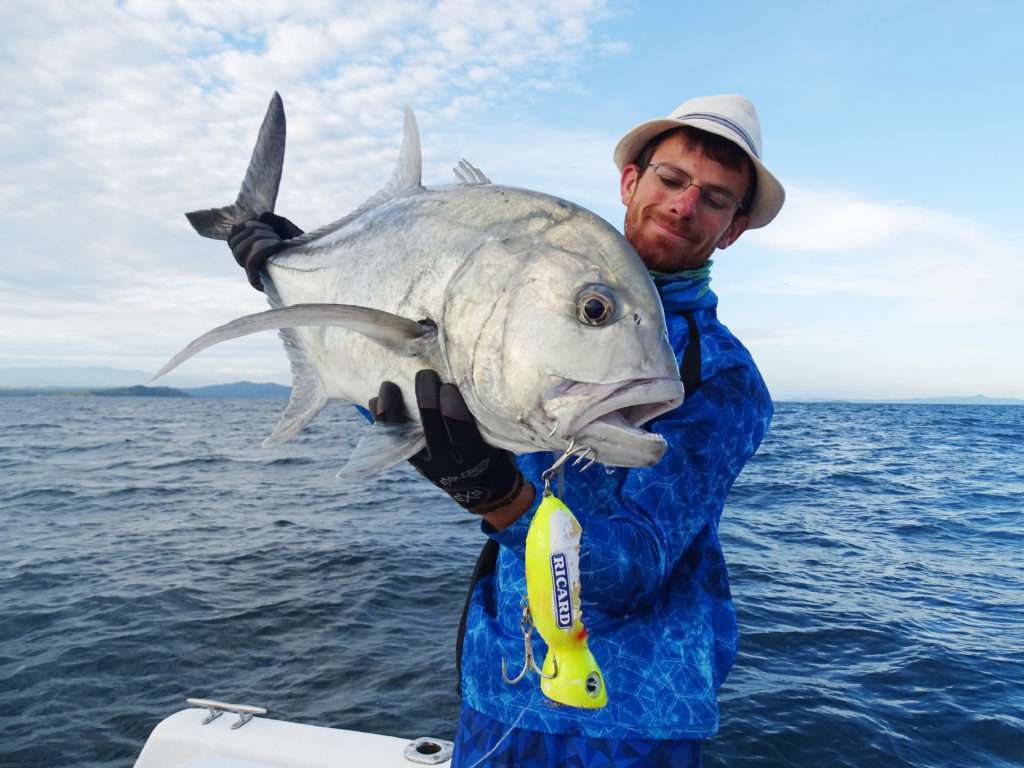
[730,116]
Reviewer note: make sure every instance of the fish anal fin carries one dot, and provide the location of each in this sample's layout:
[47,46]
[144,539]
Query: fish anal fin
[308,397]
[383,446]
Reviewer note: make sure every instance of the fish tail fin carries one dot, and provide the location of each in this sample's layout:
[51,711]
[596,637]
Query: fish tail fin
[259,189]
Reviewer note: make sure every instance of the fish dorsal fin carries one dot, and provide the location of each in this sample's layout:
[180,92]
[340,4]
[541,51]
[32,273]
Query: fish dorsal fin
[467,173]
[382,447]
[409,171]
[408,175]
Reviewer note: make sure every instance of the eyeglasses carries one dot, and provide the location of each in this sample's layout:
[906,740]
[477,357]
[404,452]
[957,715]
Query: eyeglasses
[677,180]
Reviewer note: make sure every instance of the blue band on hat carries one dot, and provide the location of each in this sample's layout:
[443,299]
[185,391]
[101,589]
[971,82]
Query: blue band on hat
[725,121]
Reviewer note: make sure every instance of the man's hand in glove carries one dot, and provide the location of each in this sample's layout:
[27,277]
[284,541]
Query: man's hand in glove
[254,241]
[480,477]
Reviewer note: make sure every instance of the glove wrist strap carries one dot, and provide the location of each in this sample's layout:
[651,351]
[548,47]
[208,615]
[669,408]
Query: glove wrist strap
[504,500]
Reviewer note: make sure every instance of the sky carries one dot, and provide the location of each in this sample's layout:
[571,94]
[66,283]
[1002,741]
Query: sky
[894,270]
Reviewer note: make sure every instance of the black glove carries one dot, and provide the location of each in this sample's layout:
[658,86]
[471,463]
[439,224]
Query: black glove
[457,460]
[254,241]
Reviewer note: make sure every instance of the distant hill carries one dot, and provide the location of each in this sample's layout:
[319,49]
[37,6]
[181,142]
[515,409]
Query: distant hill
[32,392]
[242,389]
[953,400]
[119,382]
[139,391]
[70,377]
[970,400]
[136,391]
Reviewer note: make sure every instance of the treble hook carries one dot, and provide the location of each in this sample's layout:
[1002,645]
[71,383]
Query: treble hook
[529,660]
[579,451]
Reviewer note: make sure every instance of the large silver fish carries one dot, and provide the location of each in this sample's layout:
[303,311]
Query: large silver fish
[538,310]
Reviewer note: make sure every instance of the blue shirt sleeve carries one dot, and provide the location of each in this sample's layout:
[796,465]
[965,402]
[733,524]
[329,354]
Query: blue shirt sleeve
[636,534]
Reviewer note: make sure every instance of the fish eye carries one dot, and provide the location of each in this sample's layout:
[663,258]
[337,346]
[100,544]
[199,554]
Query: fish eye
[595,305]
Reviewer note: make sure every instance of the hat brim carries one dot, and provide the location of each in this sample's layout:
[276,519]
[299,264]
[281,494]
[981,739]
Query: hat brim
[770,193]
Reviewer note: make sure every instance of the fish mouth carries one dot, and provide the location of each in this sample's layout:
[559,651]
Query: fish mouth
[608,417]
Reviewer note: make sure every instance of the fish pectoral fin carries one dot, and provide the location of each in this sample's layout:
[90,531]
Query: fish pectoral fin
[400,335]
[383,446]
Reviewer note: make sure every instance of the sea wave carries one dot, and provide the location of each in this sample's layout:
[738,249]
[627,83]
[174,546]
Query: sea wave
[153,550]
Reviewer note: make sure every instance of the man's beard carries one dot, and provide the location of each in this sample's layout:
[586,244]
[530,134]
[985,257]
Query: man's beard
[658,249]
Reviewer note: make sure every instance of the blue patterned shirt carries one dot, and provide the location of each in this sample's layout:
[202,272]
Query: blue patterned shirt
[655,589]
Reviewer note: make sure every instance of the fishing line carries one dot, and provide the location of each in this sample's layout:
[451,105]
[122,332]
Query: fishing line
[503,737]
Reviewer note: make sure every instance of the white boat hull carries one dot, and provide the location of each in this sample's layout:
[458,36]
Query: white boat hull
[184,741]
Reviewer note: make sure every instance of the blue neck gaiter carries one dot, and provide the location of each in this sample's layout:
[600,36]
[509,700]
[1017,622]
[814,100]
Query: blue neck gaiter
[686,290]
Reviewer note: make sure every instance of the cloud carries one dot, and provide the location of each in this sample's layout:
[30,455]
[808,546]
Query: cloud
[824,220]
[118,118]
[839,245]
[846,296]
[576,165]
[157,103]
[615,47]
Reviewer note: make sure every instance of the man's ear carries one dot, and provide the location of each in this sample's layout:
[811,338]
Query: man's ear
[627,184]
[732,233]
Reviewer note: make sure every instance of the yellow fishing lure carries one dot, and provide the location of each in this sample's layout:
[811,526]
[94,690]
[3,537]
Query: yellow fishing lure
[570,674]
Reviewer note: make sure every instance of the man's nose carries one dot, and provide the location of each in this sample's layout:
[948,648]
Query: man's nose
[686,202]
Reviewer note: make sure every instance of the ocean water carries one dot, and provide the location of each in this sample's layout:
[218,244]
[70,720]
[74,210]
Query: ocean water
[151,550]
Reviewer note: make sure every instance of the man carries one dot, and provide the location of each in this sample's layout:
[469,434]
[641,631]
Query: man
[655,588]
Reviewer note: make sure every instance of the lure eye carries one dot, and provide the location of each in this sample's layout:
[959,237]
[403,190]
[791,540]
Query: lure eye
[595,305]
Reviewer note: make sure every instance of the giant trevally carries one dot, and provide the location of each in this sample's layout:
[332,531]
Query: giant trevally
[537,309]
